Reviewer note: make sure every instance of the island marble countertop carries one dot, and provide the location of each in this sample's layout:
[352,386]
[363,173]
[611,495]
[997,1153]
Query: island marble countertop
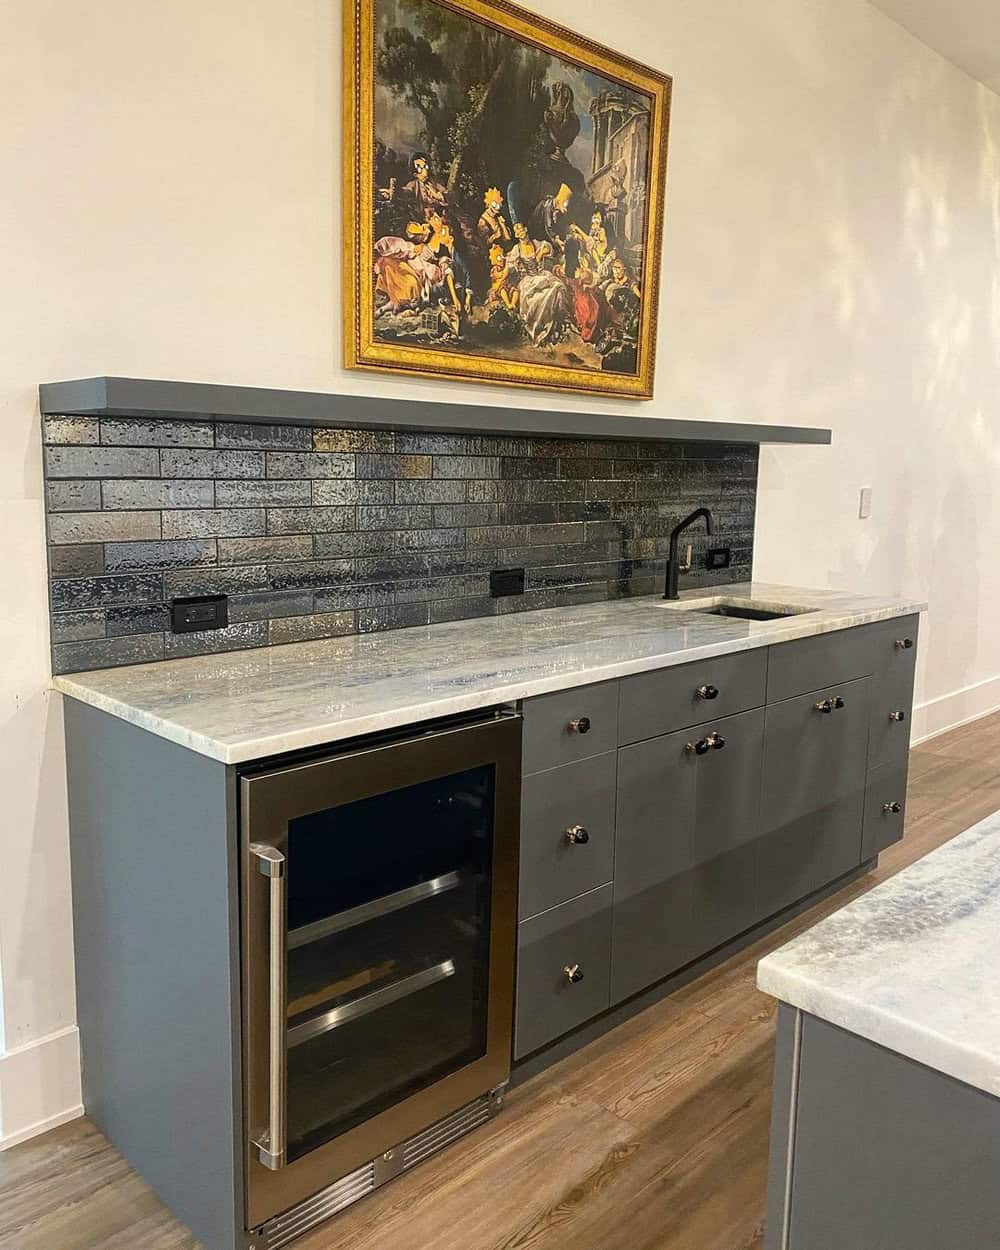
[245,705]
[912,965]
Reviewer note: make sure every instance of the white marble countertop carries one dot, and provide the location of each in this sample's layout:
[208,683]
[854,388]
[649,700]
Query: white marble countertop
[913,965]
[244,705]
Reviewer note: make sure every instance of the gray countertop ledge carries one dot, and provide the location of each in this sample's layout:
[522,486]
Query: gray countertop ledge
[246,705]
[107,396]
[912,965]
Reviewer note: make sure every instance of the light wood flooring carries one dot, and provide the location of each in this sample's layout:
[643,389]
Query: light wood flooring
[652,1138]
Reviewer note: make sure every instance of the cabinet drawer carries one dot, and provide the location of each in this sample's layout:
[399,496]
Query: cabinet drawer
[883,823]
[569,725]
[892,696]
[674,698]
[823,660]
[574,935]
[554,866]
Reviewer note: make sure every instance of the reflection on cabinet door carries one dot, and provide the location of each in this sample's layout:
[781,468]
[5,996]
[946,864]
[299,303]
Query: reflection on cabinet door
[813,793]
[684,847]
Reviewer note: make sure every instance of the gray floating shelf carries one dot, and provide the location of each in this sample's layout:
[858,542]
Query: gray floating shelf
[149,397]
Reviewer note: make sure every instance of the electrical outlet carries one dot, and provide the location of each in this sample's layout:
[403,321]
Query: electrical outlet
[865,503]
[199,612]
[504,582]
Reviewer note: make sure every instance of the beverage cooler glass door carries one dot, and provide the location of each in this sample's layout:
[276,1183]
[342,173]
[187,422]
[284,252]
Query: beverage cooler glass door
[379,928]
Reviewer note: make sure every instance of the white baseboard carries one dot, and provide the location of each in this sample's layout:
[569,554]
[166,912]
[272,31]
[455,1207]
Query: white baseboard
[39,1086]
[958,707]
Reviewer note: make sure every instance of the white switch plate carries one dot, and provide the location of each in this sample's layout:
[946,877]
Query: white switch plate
[865,504]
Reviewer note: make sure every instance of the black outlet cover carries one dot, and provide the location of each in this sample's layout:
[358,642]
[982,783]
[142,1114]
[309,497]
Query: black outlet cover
[505,582]
[718,558]
[199,612]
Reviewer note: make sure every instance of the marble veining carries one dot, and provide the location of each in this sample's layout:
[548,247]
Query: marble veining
[912,965]
[245,705]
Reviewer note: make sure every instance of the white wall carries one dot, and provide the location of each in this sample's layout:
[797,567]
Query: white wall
[170,208]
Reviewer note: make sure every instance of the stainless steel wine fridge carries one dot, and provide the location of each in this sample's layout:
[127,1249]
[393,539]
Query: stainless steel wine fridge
[379,911]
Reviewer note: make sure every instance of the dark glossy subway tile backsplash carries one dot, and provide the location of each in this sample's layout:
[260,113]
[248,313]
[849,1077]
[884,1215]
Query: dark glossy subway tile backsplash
[315,533]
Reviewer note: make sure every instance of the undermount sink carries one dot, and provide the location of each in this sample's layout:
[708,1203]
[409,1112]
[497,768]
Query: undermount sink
[740,609]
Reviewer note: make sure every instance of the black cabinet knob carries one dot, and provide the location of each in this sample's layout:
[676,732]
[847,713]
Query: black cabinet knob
[580,726]
[824,705]
[701,747]
[904,644]
[717,741]
[576,835]
[897,716]
[573,973]
[838,703]
[891,809]
[708,692]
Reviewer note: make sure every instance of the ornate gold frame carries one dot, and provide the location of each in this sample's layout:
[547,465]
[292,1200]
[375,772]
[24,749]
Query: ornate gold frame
[361,351]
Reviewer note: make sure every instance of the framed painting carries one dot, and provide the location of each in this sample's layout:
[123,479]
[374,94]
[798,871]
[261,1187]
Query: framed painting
[504,189]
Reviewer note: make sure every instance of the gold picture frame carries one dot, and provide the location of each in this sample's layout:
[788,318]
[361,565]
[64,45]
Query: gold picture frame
[427,293]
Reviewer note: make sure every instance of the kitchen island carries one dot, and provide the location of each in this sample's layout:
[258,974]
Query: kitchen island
[886,1122]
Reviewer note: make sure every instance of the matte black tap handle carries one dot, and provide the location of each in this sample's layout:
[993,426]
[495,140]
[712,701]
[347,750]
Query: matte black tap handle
[708,692]
[580,726]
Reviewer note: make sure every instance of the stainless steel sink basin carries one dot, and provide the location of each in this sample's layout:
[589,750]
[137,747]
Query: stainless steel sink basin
[739,609]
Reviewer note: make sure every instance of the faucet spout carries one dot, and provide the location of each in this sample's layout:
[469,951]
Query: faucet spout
[673,565]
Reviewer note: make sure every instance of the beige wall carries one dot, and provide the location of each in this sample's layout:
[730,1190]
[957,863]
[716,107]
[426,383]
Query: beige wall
[170,208]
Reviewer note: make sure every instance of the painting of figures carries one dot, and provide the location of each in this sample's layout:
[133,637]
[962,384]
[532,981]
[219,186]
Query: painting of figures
[504,198]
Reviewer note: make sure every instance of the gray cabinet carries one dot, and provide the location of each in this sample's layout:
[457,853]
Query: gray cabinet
[687,809]
[714,794]
[567,833]
[563,969]
[673,698]
[812,792]
[569,725]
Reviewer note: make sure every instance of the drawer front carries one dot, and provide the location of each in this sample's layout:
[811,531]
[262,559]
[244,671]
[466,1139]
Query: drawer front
[567,833]
[892,697]
[674,698]
[569,725]
[575,935]
[824,660]
[885,808]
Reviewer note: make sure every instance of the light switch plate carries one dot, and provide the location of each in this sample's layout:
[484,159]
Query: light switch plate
[865,505]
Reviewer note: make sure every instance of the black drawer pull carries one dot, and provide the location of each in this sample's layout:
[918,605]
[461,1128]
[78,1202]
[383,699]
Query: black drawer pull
[714,742]
[576,835]
[707,692]
[898,717]
[581,725]
[904,644]
[830,705]
[573,974]
[891,809]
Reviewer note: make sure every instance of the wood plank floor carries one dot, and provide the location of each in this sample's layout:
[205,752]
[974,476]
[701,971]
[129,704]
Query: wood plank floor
[652,1138]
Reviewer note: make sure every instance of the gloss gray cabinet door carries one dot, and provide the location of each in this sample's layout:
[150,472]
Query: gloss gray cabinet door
[895,654]
[885,809]
[685,852]
[569,725]
[690,694]
[567,833]
[819,661]
[563,968]
[812,792]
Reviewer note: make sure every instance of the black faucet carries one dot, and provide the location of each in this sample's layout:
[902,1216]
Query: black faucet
[673,567]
